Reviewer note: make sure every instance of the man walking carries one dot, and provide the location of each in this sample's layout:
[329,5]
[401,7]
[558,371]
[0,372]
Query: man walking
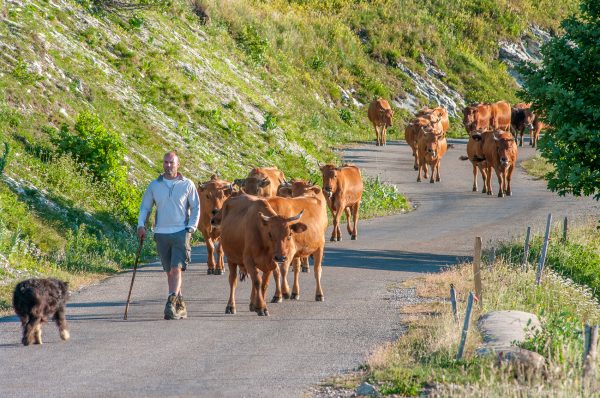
[177,214]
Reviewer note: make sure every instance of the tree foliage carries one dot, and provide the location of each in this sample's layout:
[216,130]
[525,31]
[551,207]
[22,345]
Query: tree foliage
[565,89]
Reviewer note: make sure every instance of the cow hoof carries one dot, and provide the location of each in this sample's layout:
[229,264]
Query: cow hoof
[319,297]
[229,310]
[210,271]
[483,190]
[339,238]
[332,239]
[509,193]
[252,307]
[295,296]
[286,296]
[474,189]
[438,179]
[500,194]
[305,269]
[276,299]
[418,180]
[262,312]
[431,181]
[218,272]
[416,168]
[353,237]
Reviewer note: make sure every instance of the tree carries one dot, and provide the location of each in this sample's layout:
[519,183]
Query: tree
[565,89]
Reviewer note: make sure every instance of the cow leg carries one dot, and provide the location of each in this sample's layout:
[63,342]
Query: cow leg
[318,257]
[305,265]
[220,268]
[474,176]
[348,225]
[230,309]
[337,216]
[421,166]
[433,166]
[508,178]
[383,135]
[416,165]
[277,277]
[285,267]
[263,292]
[210,261]
[377,135]
[355,209]
[296,286]
[437,170]
[499,175]
[488,180]
[61,322]
[521,139]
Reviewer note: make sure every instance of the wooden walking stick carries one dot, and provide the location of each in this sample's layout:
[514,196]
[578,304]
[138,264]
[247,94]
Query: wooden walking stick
[137,258]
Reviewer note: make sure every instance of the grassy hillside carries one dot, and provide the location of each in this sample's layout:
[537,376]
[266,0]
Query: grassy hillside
[93,93]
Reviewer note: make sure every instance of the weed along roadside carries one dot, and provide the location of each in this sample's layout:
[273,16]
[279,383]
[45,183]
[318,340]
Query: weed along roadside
[553,323]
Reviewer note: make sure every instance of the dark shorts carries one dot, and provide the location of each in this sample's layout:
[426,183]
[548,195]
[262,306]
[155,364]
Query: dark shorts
[174,249]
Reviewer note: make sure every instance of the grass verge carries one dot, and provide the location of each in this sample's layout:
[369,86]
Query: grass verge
[423,359]
[537,166]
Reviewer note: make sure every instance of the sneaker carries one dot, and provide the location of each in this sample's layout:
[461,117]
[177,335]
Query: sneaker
[170,312]
[180,308]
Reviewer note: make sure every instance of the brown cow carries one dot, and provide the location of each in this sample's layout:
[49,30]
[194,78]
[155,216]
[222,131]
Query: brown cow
[500,152]
[212,195]
[380,114]
[254,237]
[415,129]
[475,155]
[262,181]
[308,243]
[433,114]
[522,117]
[343,188]
[431,149]
[538,125]
[296,188]
[482,117]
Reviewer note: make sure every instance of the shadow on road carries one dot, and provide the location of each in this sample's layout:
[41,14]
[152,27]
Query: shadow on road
[389,260]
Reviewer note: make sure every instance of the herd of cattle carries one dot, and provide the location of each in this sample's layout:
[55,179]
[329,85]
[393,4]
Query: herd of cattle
[491,143]
[265,223]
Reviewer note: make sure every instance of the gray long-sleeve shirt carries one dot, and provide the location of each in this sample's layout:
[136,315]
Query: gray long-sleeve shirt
[177,206]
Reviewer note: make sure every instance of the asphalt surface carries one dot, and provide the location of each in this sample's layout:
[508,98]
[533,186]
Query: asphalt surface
[211,354]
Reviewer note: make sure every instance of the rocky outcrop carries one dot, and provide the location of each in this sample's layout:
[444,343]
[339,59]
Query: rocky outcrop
[526,50]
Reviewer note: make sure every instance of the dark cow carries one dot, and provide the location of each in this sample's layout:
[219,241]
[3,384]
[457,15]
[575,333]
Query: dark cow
[255,238]
[212,195]
[343,188]
[482,117]
[431,149]
[36,300]
[522,117]
[380,114]
[500,152]
[261,181]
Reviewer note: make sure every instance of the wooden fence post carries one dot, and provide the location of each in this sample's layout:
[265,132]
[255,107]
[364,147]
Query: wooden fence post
[463,338]
[477,270]
[589,356]
[540,269]
[565,230]
[525,263]
[453,301]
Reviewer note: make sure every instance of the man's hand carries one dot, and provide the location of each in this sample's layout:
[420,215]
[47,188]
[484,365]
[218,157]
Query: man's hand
[141,232]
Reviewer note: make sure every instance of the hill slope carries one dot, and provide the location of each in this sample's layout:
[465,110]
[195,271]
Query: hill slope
[229,84]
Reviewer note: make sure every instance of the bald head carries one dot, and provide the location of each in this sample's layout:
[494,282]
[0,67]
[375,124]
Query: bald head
[171,164]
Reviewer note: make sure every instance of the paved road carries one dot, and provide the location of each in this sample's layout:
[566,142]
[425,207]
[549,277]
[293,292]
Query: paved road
[216,355]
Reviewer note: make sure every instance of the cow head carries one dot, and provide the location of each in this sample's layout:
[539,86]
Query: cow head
[432,142]
[213,193]
[505,146]
[299,188]
[278,231]
[386,116]
[253,185]
[330,179]
[522,118]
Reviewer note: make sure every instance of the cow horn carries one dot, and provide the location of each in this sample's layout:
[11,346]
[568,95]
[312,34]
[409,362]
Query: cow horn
[239,182]
[265,218]
[296,217]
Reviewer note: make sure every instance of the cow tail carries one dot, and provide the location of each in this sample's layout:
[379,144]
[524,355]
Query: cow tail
[243,275]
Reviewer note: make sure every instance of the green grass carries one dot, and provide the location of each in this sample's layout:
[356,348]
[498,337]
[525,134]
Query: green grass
[537,166]
[425,354]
